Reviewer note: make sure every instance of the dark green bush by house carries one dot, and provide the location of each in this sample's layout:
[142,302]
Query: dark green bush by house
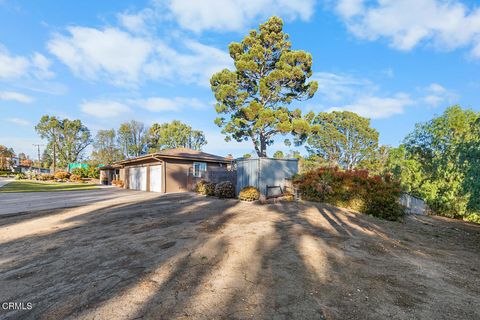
[90,172]
[354,189]
[225,189]
[206,188]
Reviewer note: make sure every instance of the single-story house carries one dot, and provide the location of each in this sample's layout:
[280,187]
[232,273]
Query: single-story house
[172,170]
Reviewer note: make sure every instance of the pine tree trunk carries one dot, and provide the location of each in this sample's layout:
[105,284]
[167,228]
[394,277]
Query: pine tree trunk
[263,147]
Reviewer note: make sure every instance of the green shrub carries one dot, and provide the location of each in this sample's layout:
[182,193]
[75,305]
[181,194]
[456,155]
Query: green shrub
[206,188]
[249,194]
[90,172]
[354,189]
[200,186]
[210,188]
[225,189]
[473,217]
[4,173]
[20,176]
[62,175]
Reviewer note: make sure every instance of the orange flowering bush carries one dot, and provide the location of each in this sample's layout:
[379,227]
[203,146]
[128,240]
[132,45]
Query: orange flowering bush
[353,189]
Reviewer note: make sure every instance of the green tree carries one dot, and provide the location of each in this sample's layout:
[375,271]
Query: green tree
[47,158]
[132,138]
[247,156]
[406,168]
[444,149]
[342,138]
[105,147]
[268,77]
[278,154]
[70,137]
[175,135]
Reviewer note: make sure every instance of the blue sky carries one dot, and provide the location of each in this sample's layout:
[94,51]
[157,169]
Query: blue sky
[106,62]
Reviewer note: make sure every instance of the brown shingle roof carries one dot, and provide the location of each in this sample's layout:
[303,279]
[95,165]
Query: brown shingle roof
[180,153]
[189,153]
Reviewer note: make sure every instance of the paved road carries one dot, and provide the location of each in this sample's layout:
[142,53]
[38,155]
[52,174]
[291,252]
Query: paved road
[4,181]
[31,201]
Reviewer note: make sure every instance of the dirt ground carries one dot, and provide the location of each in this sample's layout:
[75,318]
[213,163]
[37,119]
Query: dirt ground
[183,256]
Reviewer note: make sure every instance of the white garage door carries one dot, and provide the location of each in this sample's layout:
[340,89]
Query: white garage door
[156,178]
[137,179]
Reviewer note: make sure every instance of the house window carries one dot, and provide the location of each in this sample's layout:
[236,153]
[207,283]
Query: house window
[199,168]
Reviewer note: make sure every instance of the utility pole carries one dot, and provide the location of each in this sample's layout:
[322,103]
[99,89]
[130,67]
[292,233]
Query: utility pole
[54,158]
[38,151]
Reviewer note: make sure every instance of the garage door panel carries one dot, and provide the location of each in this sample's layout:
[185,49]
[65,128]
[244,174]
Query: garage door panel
[138,178]
[156,178]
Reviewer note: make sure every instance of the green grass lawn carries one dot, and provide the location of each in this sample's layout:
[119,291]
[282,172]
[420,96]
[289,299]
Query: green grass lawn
[37,186]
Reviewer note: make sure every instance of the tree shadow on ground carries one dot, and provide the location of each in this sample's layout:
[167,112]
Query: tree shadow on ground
[189,257]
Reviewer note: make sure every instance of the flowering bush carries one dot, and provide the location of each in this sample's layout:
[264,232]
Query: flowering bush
[354,189]
[118,183]
[75,178]
[249,194]
[45,177]
[62,175]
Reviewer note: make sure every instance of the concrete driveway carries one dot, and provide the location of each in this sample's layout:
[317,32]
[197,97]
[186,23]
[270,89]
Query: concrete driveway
[13,203]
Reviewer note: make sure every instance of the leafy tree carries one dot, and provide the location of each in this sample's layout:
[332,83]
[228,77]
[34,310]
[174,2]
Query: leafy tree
[132,138]
[106,150]
[6,155]
[268,77]
[342,138]
[406,168]
[175,135]
[70,137]
[247,156]
[444,149]
[278,154]
[47,158]
[377,163]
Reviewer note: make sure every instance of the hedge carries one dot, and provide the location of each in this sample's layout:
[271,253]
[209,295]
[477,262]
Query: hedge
[355,189]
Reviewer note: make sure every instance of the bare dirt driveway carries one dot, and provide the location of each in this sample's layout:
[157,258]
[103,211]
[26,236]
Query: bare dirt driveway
[182,256]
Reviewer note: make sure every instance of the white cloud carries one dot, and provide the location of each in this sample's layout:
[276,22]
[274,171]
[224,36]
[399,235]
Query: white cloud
[446,25]
[159,104]
[378,107]
[196,64]
[21,122]
[41,66]
[15,96]
[436,95]
[104,108]
[93,53]
[12,67]
[336,87]
[360,95]
[235,15]
[15,67]
[125,59]
[140,22]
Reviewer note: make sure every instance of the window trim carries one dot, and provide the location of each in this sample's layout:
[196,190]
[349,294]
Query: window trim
[195,174]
